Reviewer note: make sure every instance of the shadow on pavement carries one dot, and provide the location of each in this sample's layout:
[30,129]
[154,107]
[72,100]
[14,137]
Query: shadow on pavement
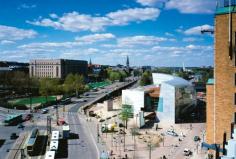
[73,136]
[62,149]
[40,146]
[1,143]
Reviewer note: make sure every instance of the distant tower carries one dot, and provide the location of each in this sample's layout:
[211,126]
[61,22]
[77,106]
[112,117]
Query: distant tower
[90,62]
[127,62]
[184,67]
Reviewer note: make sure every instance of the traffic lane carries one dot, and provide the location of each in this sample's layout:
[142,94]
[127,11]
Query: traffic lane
[84,146]
[5,133]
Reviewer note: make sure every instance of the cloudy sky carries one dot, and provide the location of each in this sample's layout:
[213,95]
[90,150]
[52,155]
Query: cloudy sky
[150,32]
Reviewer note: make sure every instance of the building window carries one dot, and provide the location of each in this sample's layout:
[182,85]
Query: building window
[234,117]
[235,79]
[234,98]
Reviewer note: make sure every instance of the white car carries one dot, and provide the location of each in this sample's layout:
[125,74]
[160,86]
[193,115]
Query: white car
[187,152]
[171,132]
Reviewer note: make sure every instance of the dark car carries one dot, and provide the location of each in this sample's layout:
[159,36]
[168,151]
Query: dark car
[187,152]
[20,126]
[28,117]
[13,136]
[196,138]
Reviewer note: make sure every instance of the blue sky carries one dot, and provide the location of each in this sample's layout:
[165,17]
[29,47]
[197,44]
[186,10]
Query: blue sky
[150,32]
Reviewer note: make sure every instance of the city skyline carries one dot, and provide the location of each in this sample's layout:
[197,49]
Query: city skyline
[147,31]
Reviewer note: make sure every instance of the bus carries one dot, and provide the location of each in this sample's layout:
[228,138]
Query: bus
[12,120]
[32,140]
[53,146]
[50,155]
[55,136]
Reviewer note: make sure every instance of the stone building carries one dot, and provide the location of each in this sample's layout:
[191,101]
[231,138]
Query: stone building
[57,68]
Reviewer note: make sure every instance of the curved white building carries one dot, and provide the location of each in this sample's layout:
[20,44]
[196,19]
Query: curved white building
[169,98]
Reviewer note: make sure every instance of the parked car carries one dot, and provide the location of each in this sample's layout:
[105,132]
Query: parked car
[187,152]
[92,114]
[171,132]
[13,136]
[196,138]
[44,111]
[20,126]
[28,117]
[101,120]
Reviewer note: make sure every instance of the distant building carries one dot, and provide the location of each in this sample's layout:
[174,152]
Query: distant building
[7,66]
[167,100]
[58,68]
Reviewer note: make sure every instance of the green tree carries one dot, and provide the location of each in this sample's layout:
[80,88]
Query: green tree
[45,88]
[126,113]
[146,78]
[163,70]
[113,76]
[74,83]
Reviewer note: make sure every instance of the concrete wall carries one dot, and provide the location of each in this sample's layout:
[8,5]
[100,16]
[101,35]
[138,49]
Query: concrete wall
[134,98]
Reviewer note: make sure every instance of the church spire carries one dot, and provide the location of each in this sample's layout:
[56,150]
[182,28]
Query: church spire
[127,62]
[90,62]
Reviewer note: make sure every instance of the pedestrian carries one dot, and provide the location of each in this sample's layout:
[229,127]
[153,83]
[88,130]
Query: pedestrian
[164,157]
[126,156]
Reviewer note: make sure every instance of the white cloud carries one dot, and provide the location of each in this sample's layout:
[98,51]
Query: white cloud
[45,45]
[192,39]
[53,15]
[183,49]
[95,38]
[151,2]
[140,40]
[123,17]
[168,34]
[12,33]
[197,30]
[26,6]
[6,42]
[76,22]
[192,6]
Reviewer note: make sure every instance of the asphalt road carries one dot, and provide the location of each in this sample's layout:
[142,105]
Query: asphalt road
[85,146]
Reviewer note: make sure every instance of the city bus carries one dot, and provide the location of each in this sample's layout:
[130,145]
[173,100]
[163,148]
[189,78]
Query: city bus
[50,155]
[32,140]
[53,146]
[12,120]
[55,136]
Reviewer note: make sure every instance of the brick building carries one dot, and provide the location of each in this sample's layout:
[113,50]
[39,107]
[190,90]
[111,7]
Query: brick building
[58,68]
[221,93]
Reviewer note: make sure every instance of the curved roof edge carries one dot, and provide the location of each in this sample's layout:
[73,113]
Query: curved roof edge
[159,78]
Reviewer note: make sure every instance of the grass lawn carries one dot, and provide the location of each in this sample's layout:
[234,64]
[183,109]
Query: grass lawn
[35,100]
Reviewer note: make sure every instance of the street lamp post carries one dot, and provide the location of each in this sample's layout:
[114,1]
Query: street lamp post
[98,135]
[150,149]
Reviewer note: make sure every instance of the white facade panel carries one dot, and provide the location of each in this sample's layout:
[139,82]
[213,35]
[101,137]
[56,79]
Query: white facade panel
[134,98]
[168,95]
